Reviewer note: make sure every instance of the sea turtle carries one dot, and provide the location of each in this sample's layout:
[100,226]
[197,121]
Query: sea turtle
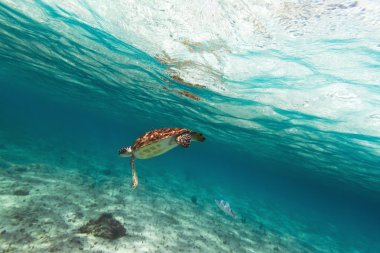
[157,142]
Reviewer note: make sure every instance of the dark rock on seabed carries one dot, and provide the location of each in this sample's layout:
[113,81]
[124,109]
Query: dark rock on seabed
[106,226]
[21,192]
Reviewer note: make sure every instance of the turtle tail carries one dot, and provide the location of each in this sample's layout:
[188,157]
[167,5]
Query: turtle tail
[197,136]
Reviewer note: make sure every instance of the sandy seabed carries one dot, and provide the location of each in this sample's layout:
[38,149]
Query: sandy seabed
[43,206]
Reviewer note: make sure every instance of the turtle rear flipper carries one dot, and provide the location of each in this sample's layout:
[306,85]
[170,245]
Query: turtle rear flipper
[197,136]
[135,180]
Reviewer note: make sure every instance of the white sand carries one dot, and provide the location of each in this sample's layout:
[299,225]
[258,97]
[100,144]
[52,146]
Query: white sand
[157,218]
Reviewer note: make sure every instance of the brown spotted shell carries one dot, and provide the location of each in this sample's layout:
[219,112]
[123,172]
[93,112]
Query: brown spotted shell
[157,135]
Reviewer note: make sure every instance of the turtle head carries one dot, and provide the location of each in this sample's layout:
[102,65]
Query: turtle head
[184,140]
[125,151]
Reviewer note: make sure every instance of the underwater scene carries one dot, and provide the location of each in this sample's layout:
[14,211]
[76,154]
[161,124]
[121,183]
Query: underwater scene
[190,126]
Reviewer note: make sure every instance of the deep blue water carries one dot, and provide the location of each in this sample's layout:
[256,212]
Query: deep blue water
[72,93]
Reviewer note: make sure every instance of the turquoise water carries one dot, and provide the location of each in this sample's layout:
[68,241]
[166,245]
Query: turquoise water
[292,131]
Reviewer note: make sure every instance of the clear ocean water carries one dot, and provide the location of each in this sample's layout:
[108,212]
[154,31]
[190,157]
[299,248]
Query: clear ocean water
[286,93]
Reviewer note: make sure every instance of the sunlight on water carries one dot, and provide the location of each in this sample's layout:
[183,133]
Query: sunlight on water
[287,94]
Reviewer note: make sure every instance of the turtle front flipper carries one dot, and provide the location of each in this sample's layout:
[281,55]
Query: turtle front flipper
[198,136]
[135,180]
